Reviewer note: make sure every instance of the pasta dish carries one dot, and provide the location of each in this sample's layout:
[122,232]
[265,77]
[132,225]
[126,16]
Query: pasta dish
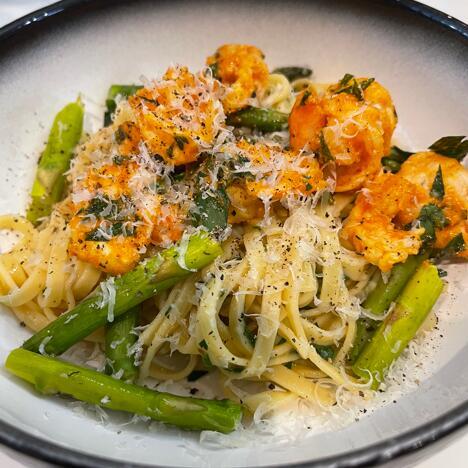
[251,227]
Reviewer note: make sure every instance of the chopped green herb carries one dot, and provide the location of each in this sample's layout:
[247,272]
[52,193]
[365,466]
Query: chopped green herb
[442,273]
[170,151]
[346,79]
[366,83]
[304,97]
[451,146]
[249,334]
[211,209]
[431,217]
[437,189]
[325,352]
[395,158]
[203,344]
[350,85]
[103,234]
[293,73]
[118,160]
[181,141]
[97,205]
[455,246]
[325,153]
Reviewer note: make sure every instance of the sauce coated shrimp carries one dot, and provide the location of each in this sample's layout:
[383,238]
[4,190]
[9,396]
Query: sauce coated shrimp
[354,120]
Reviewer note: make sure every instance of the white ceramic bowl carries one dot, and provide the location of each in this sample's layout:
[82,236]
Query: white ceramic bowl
[78,46]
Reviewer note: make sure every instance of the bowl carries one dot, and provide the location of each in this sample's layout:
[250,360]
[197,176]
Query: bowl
[48,57]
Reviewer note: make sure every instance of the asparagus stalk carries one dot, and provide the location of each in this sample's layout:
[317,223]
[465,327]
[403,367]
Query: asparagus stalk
[120,338]
[111,104]
[49,184]
[265,120]
[380,299]
[147,279]
[52,376]
[399,328]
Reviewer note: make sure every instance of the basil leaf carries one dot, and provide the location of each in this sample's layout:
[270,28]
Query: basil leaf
[431,217]
[455,246]
[211,210]
[325,153]
[350,85]
[451,146]
[293,73]
[395,158]
[437,189]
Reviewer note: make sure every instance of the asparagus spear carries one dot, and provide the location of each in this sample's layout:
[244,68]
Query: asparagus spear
[119,341]
[399,328]
[380,299]
[49,184]
[111,104]
[147,279]
[51,376]
[265,120]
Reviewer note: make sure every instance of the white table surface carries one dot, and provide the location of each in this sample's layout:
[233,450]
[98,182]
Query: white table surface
[454,456]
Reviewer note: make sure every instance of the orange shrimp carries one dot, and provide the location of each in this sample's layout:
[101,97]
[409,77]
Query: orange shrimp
[272,174]
[179,116]
[243,69]
[278,173]
[357,132]
[375,226]
[421,169]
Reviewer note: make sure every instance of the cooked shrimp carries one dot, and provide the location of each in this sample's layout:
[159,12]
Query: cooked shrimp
[114,254]
[242,69]
[179,116]
[277,173]
[421,169]
[356,131]
[245,207]
[376,224]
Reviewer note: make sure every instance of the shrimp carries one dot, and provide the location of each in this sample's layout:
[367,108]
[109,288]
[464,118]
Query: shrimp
[271,174]
[357,132]
[376,225]
[242,68]
[179,116]
[421,169]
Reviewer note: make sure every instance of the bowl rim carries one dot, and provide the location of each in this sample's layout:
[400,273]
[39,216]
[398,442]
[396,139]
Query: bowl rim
[375,454]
